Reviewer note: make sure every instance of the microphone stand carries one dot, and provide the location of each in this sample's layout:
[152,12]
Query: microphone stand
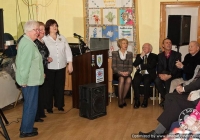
[5,133]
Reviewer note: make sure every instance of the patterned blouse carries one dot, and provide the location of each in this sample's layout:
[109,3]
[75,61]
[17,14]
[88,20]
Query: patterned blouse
[43,51]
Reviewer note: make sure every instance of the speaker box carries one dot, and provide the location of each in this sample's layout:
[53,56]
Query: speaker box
[92,100]
[1,30]
[179,29]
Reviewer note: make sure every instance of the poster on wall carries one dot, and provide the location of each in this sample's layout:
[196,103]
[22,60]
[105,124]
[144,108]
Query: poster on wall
[109,3]
[126,16]
[126,32]
[95,16]
[113,19]
[110,16]
[99,75]
[110,32]
[95,32]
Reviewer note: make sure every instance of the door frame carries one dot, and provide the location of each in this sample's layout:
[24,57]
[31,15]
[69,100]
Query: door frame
[164,5]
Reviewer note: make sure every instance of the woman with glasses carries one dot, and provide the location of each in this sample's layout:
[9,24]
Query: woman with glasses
[46,59]
[29,75]
[61,54]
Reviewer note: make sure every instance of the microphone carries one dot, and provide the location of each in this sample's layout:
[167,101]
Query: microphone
[77,35]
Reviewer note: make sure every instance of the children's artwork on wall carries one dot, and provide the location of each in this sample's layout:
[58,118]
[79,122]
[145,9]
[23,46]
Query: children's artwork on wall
[94,16]
[109,3]
[126,16]
[126,32]
[110,32]
[113,19]
[110,16]
[95,32]
[124,3]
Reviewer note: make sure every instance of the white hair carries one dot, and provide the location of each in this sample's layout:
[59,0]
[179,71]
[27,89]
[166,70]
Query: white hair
[30,25]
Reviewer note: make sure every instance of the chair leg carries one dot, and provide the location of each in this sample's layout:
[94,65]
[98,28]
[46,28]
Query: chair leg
[154,96]
[131,95]
[110,97]
[159,98]
[18,98]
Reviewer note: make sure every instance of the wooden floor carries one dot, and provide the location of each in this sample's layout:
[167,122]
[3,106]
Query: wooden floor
[118,124]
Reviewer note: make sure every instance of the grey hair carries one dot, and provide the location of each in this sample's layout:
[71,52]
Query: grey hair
[30,25]
[150,46]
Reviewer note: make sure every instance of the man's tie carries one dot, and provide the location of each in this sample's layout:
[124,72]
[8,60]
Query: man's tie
[144,62]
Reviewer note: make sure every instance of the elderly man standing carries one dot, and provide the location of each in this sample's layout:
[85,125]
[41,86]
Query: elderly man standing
[188,66]
[145,64]
[29,75]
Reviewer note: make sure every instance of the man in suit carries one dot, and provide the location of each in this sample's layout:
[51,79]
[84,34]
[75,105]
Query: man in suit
[188,66]
[175,103]
[145,64]
[166,69]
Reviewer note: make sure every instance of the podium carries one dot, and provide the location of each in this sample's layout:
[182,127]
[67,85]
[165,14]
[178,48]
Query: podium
[84,72]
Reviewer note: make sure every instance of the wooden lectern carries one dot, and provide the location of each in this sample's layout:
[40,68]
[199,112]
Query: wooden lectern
[85,73]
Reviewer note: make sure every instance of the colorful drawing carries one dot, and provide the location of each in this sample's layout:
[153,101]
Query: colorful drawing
[94,16]
[110,16]
[126,32]
[126,17]
[110,32]
[109,3]
[95,32]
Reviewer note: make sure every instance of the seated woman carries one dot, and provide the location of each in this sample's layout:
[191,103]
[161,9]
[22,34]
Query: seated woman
[122,65]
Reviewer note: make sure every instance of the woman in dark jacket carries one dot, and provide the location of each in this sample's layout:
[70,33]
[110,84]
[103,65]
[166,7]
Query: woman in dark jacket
[46,59]
[122,65]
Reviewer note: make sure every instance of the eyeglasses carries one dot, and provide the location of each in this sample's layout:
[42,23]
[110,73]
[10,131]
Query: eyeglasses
[36,30]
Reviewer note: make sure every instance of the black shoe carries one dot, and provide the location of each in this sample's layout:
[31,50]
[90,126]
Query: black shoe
[151,135]
[35,129]
[121,106]
[43,116]
[137,104]
[61,109]
[124,104]
[23,135]
[162,104]
[39,120]
[49,110]
[144,103]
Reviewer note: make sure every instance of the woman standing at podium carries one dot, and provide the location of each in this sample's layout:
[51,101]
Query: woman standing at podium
[61,54]
[122,65]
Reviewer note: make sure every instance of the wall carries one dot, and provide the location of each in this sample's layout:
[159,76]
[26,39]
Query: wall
[12,22]
[68,14]
[193,11]
[149,21]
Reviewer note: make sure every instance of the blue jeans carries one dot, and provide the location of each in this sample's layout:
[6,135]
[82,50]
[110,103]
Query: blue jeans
[30,94]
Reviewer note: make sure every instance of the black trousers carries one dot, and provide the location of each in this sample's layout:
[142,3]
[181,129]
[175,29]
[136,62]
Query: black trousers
[174,104]
[162,86]
[55,91]
[41,101]
[147,80]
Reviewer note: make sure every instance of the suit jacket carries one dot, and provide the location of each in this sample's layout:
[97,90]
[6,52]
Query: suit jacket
[173,70]
[190,62]
[119,65]
[189,85]
[150,66]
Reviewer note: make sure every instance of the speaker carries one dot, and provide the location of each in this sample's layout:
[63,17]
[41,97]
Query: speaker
[1,30]
[92,100]
[179,29]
